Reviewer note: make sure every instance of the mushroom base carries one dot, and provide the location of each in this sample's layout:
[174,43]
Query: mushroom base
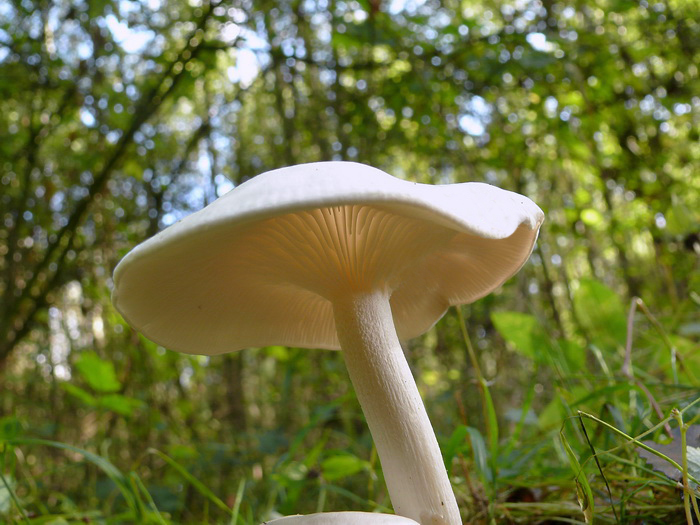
[406,444]
[343,518]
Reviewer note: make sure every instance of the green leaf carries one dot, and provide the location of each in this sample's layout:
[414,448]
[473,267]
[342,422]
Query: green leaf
[365,4]
[120,404]
[491,420]
[312,456]
[481,455]
[342,466]
[583,488]
[98,373]
[558,408]
[182,452]
[79,393]
[551,415]
[454,444]
[10,427]
[574,353]
[601,313]
[523,332]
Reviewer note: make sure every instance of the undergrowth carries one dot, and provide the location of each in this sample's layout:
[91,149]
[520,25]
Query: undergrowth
[592,454]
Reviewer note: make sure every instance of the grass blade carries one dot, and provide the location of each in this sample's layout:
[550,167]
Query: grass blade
[198,485]
[583,488]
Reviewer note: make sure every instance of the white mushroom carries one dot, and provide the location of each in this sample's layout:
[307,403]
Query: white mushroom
[343,518]
[335,255]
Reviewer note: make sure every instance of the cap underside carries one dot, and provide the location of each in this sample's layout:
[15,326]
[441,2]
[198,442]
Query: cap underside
[272,281]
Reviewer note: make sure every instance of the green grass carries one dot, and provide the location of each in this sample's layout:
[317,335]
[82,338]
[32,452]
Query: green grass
[572,457]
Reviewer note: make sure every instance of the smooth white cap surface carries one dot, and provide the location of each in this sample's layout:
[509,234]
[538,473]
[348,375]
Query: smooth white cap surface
[260,265]
[344,518]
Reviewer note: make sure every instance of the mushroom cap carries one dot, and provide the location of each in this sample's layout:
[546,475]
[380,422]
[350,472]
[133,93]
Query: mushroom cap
[343,518]
[261,265]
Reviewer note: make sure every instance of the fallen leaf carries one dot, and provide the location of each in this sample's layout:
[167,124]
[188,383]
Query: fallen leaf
[673,450]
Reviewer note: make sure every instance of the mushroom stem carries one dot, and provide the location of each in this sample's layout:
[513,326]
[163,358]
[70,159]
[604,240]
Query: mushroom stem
[413,467]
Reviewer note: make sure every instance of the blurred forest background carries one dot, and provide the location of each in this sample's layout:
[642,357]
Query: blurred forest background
[119,117]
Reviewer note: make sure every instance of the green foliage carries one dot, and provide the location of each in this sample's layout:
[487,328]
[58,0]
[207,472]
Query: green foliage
[97,372]
[480,455]
[528,337]
[589,109]
[601,313]
[524,332]
[341,465]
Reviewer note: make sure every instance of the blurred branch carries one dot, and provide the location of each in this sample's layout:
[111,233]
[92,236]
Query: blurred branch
[18,321]
[30,154]
[549,289]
